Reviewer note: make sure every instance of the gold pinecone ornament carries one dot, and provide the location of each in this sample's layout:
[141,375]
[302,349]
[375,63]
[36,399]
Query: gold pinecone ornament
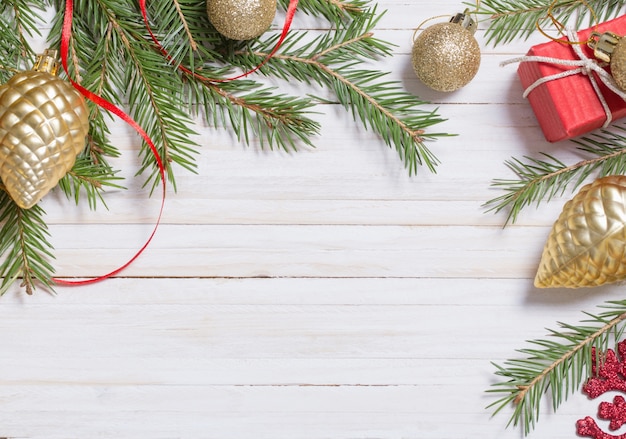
[43,124]
[587,244]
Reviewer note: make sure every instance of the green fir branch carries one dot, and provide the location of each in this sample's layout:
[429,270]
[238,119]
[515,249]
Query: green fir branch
[25,247]
[332,60]
[556,366]
[540,180]
[18,23]
[335,11]
[256,113]
[253,112]
[512,19]
[249,109]
[89,179]
[135,71]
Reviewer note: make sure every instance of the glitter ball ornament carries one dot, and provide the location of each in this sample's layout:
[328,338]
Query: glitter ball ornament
[587,244]
[241,19]
[611,48]
[446,56]
[43,124]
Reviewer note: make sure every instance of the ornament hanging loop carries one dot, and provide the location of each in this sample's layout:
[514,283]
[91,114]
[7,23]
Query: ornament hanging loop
[464,19]
[420,27]
[560,27]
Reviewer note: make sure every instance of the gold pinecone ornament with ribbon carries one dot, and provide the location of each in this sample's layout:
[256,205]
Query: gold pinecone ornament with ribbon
[587,244]
[43,125]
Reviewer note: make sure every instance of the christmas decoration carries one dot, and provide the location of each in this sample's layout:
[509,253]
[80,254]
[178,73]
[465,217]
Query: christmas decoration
[587,244]
[608,374]
[241,19]
[539,179]
[551,70]
[110,45]
[43,124]
[446,56]
[558,365]
[554,367]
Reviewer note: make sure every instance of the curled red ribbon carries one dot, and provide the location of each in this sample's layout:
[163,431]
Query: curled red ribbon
[103,103]
[291,11]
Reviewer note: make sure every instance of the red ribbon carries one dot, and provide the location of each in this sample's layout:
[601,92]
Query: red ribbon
[65,41]
[103,103]
[291,11]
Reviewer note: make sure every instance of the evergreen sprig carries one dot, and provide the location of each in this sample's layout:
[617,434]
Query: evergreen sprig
[18,23]
[111,43]
[335,11]
[334,60]
[556,366]
[113,55]
[512,19]
[89,179]
[541,179]
[25,246]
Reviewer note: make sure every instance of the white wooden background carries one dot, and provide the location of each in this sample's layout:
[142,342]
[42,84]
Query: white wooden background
[318,294]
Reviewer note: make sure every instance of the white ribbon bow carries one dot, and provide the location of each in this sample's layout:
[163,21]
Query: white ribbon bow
[584,65]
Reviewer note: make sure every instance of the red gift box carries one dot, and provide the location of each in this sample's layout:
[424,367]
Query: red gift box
[569,107]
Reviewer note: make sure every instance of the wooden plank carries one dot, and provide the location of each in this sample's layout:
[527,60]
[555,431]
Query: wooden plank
[318,294]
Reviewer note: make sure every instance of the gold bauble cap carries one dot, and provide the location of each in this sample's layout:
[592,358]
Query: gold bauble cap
[611,48]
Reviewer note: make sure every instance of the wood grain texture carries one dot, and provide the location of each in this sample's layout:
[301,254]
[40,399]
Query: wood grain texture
[309,295]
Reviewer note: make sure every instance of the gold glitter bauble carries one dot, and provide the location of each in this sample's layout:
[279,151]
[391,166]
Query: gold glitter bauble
[43,124]
[241,19]
[618,64]
[446,56]
[587,244]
